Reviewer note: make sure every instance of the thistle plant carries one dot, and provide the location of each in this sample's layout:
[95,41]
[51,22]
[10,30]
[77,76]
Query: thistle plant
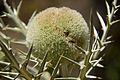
[59,43]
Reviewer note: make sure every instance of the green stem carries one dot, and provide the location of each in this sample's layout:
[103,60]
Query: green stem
[9,54]
[103,39]
[14,62]
[109,21]
[87,65]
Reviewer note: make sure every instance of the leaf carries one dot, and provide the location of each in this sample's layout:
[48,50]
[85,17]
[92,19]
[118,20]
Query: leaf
[7,14]
[116,21]
[34,13]
[107,42]
[95,33]
[3,36]
[67,78]
[14,11]
[19,42]
[81,49]
[118,6]
[24,65]
[8,73]
[108,8]
[12,29]
[74,62]
[109,37]
[116,11]
[2,24]
[15,18]
[43,62]
[56,67]
[7,77]
[114,3]
[91,31]
[7,7]
[99,65]
[4,63]
[9,54]
[19,6]
[102,22]
[93,77]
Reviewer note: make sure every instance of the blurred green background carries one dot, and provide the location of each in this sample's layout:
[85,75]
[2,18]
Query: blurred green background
[111,61]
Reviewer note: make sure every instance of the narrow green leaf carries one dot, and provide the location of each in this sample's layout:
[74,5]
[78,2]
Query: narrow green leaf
[7,77]
[114,2]
[93,77]
[8,73]
[19,6]
[56,67]
[102,22]
[109,37]
[15,18]
[74,62]
[2,24]
[118,6]
[14,11]
[7,7]
[107,42]
[24,65]
[19,42]
[12,29]
[100,65]
[108,8]
[7,14]
[67,78]
[80,48]
[116,10]
[90,43]
[3,36]
[97,36]
[116,21]
[16,76]
[9,54]
[42,66]
[29,52]
[95,33]
[34,13]
[4,63]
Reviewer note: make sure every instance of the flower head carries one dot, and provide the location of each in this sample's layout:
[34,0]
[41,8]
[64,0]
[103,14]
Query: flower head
[56,30]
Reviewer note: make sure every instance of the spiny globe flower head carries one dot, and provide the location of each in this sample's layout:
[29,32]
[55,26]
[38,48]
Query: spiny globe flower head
[56,30]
